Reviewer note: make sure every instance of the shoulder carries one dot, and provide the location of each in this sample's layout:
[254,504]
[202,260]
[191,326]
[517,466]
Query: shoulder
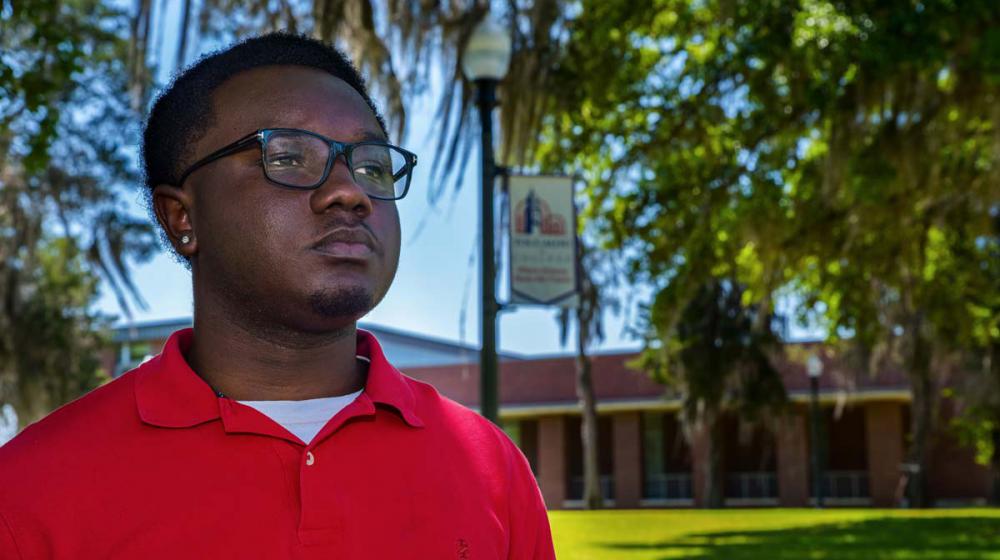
[454,420]
[435,408]
[499,463]
[74,428]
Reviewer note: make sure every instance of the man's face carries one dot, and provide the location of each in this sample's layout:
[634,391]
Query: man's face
[260,245]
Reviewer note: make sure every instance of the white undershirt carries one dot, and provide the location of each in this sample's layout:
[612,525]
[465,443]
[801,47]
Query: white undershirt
[303,418]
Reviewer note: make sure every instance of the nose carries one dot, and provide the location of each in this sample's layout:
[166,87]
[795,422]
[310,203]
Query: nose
[340,190]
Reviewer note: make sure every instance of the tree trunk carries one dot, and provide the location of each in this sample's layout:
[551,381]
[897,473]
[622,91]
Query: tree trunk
[592,496]
[709,429]
[716,484]
[995,457]
[921,417]
[31,400]
[182,42]
[995,468]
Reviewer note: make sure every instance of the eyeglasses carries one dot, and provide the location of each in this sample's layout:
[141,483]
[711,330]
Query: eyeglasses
[300,159]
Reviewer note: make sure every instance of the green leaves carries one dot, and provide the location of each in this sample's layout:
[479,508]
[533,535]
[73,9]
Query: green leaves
[847,154]
[784,136]
[66,167]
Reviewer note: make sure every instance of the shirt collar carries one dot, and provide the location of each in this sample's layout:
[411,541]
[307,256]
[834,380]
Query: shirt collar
[169,394]
[385,384]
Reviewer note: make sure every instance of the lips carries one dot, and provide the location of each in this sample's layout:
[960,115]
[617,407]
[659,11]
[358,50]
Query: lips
[344,243]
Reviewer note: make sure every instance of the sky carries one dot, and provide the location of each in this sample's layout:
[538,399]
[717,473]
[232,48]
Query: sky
[436,290]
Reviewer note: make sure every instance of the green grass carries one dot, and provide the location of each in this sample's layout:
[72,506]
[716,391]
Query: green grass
[777,534]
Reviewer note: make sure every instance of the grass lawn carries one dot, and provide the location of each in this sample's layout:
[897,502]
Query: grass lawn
[777,534]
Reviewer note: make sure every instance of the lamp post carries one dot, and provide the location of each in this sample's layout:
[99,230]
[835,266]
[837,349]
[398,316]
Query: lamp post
[484,63]
[814,367]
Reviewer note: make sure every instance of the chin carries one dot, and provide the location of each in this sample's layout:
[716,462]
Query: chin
[347,303]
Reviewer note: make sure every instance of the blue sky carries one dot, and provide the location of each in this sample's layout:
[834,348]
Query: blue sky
[436,285]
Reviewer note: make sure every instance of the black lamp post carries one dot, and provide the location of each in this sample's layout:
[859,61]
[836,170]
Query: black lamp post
[814,366]
[485,62]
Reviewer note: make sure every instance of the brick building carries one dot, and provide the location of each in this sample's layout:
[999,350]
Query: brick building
[645,458]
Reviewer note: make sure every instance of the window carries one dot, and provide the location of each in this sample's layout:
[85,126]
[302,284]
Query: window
[666,458]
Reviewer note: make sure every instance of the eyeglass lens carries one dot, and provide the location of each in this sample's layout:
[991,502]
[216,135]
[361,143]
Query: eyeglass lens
[297,159]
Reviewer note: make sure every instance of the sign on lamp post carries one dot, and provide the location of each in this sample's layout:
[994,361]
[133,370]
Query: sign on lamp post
[543,254]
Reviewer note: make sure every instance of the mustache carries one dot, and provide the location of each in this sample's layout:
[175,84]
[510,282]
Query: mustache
[348,230]
[344,220]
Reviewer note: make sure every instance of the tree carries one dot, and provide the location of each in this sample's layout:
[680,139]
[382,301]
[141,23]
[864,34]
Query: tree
[596,279]
[905,172]
[56,341]
[978,394]
[845,153]
[716,357]
[63,175]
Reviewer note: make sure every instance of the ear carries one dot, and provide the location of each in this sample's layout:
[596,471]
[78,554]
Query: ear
[173,207]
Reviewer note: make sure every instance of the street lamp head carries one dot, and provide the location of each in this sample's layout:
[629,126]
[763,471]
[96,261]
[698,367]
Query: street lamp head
[487,54]
[814,366]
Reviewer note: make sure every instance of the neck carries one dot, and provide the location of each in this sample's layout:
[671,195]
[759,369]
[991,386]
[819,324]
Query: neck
[248,361]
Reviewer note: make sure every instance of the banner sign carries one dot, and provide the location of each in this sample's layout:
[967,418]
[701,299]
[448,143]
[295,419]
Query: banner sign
[543,260]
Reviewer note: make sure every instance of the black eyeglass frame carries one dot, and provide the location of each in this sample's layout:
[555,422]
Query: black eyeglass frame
[336,148]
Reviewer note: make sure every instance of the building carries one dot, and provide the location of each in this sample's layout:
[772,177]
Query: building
[135,343]
[645,459]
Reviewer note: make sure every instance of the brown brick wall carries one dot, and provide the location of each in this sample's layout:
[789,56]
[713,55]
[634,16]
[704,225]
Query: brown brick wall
[793,460]
[627,459]
[552,460]
[884,434]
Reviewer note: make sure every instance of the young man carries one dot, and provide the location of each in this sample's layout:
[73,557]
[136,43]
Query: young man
[273,428]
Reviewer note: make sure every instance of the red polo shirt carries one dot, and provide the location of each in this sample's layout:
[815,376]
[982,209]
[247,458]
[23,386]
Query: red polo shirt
[154,465]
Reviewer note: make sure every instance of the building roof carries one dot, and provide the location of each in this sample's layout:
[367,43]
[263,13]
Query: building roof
[549,382]
[405,349]
[148,330]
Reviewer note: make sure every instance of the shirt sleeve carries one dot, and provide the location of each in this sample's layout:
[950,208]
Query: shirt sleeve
[530,534]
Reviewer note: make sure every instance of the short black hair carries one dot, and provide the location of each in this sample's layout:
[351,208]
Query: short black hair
[183,111]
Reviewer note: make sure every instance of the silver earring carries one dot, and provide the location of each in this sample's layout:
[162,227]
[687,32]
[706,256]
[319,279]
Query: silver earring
[185,239]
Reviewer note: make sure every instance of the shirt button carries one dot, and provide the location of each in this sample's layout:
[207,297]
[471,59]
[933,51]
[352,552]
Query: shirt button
[309,458]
